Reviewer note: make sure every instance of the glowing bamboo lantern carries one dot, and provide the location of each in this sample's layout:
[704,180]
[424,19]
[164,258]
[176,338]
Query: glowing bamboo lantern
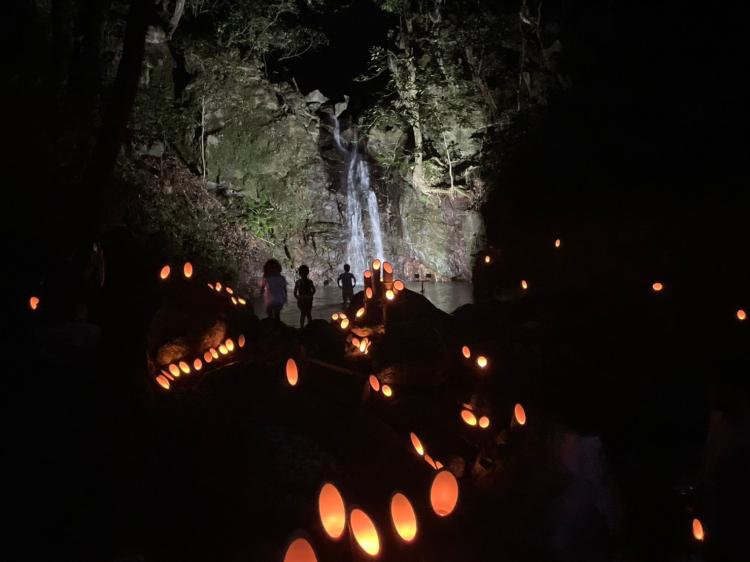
[387,390]
[335,316]
[218,287]
[342,315]
[741,314]
[332,511]
[444,493]
[403,517]
[184,367]
[438,465]
[657,287]
[428,460]
[368,278]
[241,340]
[214,353]
[487,259]
[234,301]
[344,323]
[387,273]
[558,243]
[519,415]
[197,364]
[34,303]
[374,383]
[163,382]
[466,352]
[187,270]
[300,550]
[481,361]
[174,370]
[165,271]
[417,444]
[207,357]
[698,533]
[469,418]
[524,284]
[399,285]
[230,344]
[390,295]
[229,290]
[368,293]
[484,422]
[363,345]
[210,286]
[292,373]
[364,532]
[355,342]
[376,265]
[223,349]
[166,374]
[242,301]
[360,312]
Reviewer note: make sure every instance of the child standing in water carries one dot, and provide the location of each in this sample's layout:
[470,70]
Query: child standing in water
[304,289]
[346,282]
[273,287]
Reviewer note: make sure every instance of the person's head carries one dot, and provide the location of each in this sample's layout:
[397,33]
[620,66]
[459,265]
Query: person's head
[272,267]
[346,267]
[304,271]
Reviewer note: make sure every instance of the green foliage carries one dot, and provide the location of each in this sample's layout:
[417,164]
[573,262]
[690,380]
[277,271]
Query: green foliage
[261,213]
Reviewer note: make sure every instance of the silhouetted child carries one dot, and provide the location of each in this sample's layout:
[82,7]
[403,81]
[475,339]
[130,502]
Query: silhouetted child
[304,289]
[347,281]
[273,287]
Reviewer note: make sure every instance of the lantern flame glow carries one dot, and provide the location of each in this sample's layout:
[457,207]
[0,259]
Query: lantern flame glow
[241,340]
[481,361]
[163,382]
[230,344]
[403,517]
[557,243]
[657,287]
[698,533]
[484,422]
[417,444]
[741,315]
[344,323]
[174,370]
[519,414]
[214,353]
[165,271]
[487,259]
[524,284]
[469,418]
[399,285]
[376,265]
[335,316]
[368,293]
[360,312]
[300,550]
[292,373]
[223,349]
[197,364]
[332,511]
[184,367]
[364,532]
[387,391]
[466,352]
[218,287]
[428,460]
[390,295]
[444,493]
[33,303]
[207,357]
[374,383]
[388,267]
[187,270]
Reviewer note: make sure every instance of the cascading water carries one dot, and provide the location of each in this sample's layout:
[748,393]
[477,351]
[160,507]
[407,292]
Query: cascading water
[359,195]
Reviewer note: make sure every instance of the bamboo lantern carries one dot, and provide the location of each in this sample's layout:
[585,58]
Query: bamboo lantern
[292,373]
[230,344]
[481,361]
[368,293]
[438,465]
[368,278]
[469,418]
[484,422]
[174,370]
[214,353]
[210,286]
[657,287]
[242,301]
[342,315]
[207,357]
[403,517]
[241,340]
[444,493]
[300,550]
[376,266]
[187,270]
[428,460]
[34,303]
[166,374]
[519,415]
[387,273]
[163,382]
[217,287]
[466,352]
[184,367]
[335,316]
[741,314]
[524,284]
[558,243]
[344,323]
[363,345]
[223,349]
[229,290]
[355,342]
[364,532]
[374,383]
[487,259]
[197,364]
[165,271]
[417,444]
[399,285]
[360,312]
[698,533]
[234,301]
[387,391]
[390,295]
[332,511]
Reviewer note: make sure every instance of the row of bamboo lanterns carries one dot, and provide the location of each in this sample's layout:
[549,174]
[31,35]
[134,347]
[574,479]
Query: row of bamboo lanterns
[175,370]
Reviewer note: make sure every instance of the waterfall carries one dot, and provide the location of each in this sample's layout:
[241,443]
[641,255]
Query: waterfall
[359,196]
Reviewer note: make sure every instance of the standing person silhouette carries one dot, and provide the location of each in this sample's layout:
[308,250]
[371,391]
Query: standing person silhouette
[346,281]
[273,287]
[304,289]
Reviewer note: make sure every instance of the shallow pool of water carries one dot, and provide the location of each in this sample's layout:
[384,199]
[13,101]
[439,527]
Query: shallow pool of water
[445,296]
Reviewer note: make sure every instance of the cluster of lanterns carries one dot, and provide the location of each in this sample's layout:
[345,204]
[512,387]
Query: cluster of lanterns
[420,450]
[376,386]
[169,373]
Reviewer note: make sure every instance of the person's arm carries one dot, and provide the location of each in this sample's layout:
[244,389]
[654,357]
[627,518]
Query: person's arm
[338,281]
[312,285]
[296,290]
[354,281]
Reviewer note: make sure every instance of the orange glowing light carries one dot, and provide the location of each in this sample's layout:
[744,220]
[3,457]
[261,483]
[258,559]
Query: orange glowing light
[355,342]
[363,345]
[187,270]
[292,373]
[242,301]
[342,315]
[300,550]
[468,417]
[368,274]
[241,340]
[524,284]
[360,312]
[482,361]
[374,383]
[444,493]
[332,511]
[234,301]
[229,290]
[484,422]
[223,349]
[399,285]
[335,316]
[230,344]
[388,267]
[558,243]
[166,374]
[403,517]
[417,444]
[390,295]
[163,382]
[466,352]
[214,353]
[428,460]
[197,364]
[438,465]
[165,271]
[741,314]
[698,533]
[376,264]
[218,287]
[657,287]
[364,532]
[487,259]
[184,367]
[519,414]
[174,370]
[207,357]
[33,303]
[210,286]
[368,293]
[344,323]
[387,391]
